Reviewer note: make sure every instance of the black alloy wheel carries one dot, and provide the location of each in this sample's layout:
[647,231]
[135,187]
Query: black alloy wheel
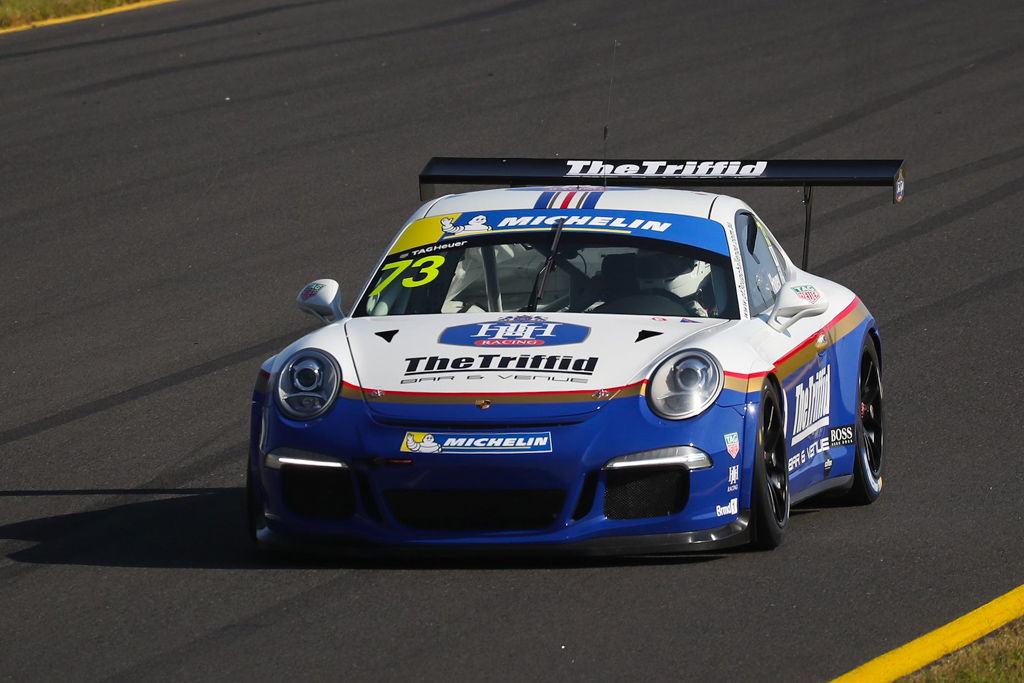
[770,494]
[870,429]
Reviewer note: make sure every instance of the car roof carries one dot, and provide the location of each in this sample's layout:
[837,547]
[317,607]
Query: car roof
[682,202]
[673,215]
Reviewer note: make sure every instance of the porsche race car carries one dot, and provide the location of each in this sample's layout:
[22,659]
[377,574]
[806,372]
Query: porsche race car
[587,360]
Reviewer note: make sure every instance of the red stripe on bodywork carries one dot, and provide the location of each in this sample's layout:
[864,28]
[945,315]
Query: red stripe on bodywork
[740,375]
[497,393]
[567,200]
[736,375]
[802,345]
[810,340]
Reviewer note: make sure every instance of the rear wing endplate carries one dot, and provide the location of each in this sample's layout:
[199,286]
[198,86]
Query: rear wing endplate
[667,173]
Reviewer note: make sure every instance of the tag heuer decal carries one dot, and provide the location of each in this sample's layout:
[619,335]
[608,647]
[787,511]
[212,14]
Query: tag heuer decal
[732,444]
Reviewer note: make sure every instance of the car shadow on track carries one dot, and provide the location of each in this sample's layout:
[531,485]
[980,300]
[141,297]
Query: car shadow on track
[204,528]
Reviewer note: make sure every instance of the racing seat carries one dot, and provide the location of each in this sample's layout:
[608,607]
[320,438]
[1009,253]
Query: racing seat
[619,276]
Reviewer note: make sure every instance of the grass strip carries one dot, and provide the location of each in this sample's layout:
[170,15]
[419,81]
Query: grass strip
[996,658]
[14,13]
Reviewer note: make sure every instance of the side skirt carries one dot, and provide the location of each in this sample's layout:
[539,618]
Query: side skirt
[843,482]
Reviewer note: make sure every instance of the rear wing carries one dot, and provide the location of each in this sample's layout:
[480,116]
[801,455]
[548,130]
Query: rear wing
[665,173]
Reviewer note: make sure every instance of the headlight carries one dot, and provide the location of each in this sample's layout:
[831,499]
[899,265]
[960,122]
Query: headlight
[308,384]
[685,385]
[688,457]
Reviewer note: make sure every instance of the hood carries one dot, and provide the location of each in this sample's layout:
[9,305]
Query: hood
[527,366]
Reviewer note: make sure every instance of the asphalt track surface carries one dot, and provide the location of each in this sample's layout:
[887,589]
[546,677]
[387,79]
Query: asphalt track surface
[169,178]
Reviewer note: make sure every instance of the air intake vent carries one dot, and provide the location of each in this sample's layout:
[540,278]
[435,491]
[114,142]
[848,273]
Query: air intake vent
[324,493]
[645,492]
[488,510]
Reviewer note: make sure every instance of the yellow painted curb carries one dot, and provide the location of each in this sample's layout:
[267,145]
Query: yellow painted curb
[932,646]
[88,15]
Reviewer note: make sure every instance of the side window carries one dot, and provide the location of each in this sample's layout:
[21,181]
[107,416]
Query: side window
[762,274]
[776,250]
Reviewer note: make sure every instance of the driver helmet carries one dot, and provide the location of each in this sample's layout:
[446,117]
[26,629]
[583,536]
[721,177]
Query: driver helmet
[677,274]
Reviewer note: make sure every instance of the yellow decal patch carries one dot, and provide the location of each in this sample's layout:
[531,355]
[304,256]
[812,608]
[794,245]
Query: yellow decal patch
[422,232]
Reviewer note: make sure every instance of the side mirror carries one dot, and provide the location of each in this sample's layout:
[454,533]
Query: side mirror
[321,298]
[795,302]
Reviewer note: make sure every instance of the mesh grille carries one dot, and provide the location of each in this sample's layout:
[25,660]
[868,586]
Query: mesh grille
[645,492]
[317,491]
[493,510]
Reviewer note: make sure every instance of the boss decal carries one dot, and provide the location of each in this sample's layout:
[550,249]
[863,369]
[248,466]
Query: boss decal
[840,436]
[515,330]
[513,443]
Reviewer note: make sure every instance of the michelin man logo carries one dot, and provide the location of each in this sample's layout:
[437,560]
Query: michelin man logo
[475,224]
[426,443]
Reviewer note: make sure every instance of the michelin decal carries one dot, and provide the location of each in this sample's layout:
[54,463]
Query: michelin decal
[426,443]
[508,443]
[477,223]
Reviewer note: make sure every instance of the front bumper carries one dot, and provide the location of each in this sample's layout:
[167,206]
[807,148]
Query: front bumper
[733,534]
[553,499]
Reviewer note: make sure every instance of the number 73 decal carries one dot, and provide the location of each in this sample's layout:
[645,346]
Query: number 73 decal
[428,272]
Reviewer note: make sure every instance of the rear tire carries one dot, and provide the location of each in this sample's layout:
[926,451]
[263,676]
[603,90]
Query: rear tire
[770,492]
[869,429]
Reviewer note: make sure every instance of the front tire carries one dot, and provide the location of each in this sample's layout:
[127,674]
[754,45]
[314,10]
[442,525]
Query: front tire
[870,428]
[770,493]
[254,509]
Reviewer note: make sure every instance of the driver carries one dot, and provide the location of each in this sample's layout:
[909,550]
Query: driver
[675,274]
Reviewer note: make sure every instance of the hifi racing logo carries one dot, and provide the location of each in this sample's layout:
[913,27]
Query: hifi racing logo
[515,330]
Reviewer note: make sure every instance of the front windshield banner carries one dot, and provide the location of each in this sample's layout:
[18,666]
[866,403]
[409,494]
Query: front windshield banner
[689,230]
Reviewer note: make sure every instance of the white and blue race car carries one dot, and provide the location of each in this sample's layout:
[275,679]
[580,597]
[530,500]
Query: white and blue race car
[599,364]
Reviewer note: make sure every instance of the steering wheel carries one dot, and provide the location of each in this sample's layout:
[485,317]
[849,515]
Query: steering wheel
[690,305]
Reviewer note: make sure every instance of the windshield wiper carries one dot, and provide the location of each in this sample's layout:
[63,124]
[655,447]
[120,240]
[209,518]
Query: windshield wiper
[542,274]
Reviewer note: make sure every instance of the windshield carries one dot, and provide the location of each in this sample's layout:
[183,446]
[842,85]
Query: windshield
[589,274]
